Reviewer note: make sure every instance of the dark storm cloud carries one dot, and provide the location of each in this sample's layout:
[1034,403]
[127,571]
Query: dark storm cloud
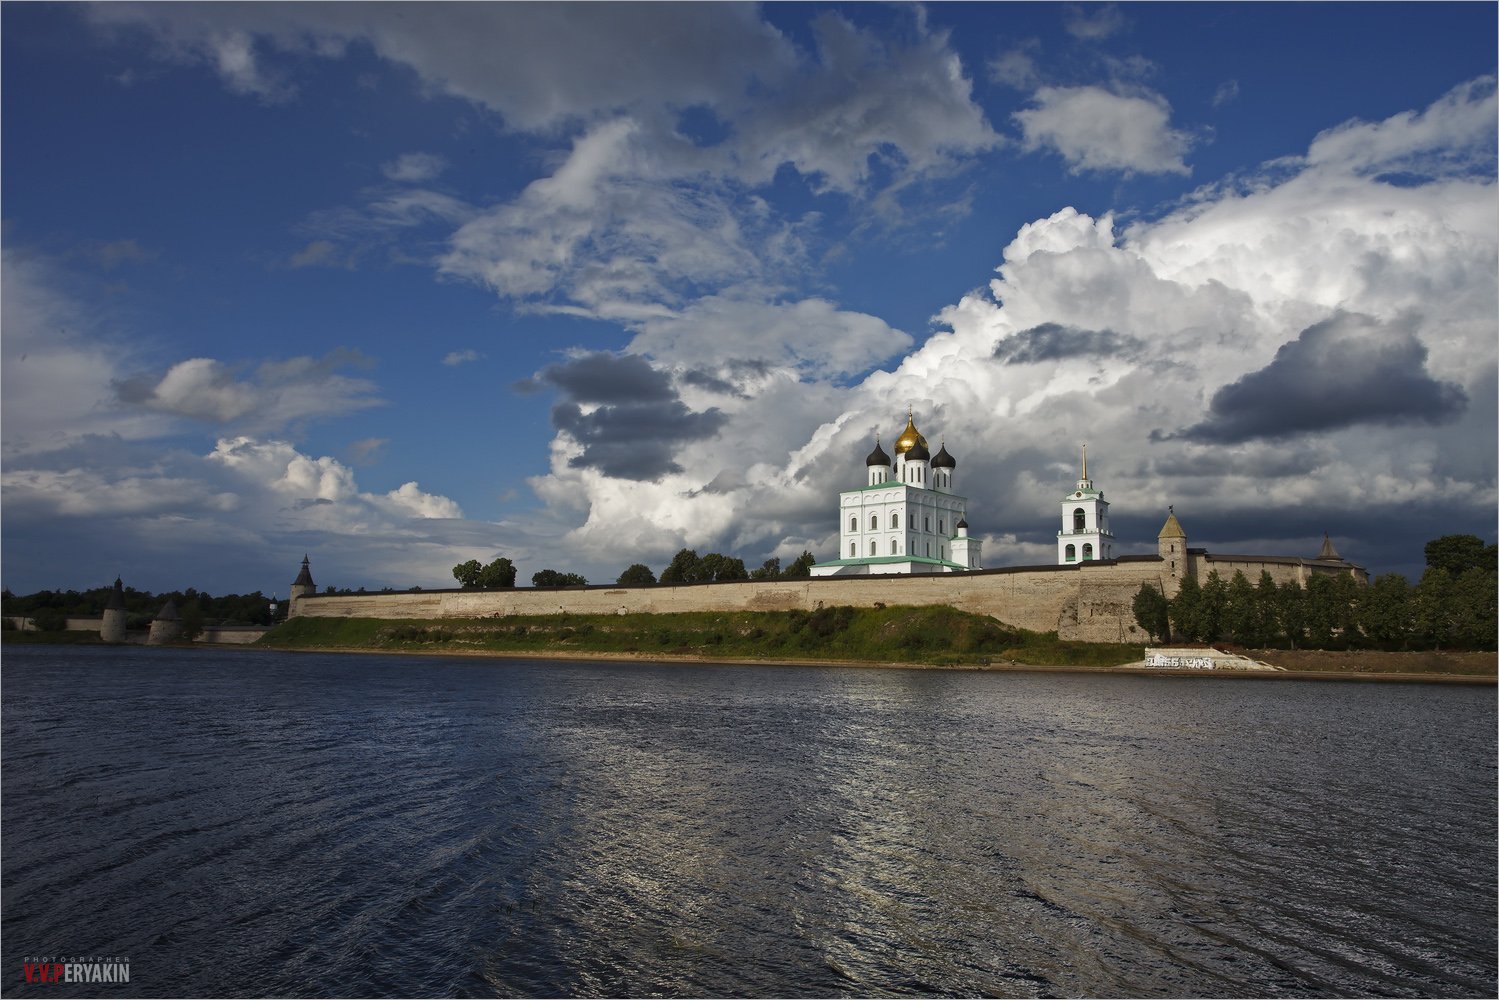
[1054,341]
[1344,371]
[606,378]
[638,422]
[730,377]
[711,383]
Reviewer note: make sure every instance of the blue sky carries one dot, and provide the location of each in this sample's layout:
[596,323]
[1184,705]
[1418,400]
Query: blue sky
[398,286]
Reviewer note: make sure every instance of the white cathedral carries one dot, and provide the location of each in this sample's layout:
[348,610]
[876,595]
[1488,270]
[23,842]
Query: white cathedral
[907,519]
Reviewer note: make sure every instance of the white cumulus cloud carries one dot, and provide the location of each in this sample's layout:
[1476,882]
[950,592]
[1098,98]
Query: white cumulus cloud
[1095,129]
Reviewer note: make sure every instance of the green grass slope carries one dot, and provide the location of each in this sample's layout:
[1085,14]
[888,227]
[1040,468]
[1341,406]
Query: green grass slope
[928,635]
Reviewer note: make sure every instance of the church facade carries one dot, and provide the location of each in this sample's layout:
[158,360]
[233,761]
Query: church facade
[907,517]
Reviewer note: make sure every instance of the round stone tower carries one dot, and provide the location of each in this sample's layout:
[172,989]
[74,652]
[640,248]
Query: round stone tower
[166,626]
[112,629]
[301,587]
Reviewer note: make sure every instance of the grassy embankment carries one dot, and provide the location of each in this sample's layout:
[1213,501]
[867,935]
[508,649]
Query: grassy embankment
[929,635]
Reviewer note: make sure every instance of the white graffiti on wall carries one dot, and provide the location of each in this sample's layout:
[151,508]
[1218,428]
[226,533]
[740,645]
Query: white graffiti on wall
[1180,662]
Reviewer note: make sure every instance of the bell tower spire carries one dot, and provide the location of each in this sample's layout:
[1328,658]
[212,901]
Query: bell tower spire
[1085,534]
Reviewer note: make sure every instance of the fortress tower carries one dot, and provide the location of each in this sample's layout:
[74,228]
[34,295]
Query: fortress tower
[112,629]
[166,626]
[301,587]
[1085,534]
[1171,545]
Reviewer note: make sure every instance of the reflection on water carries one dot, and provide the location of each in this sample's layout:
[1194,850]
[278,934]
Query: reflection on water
[246,823]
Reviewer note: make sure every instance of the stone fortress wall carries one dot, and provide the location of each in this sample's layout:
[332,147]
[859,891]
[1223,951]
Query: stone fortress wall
[1089,601]
[1092,601]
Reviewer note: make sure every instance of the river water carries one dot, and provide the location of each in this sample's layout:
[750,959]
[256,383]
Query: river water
[236,822]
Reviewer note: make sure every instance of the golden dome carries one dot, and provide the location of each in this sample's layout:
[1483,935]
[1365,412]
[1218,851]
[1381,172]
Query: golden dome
[909,438]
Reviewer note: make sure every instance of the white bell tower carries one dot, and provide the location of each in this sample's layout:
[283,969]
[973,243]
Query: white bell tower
[1085,532]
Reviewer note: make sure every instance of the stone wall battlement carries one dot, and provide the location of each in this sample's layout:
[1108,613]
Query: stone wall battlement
[1091,601]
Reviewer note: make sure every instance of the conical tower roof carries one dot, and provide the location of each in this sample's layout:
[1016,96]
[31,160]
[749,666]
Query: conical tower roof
[304,578]
[116,597]
[1172,528]
[1327,551]
[168,612]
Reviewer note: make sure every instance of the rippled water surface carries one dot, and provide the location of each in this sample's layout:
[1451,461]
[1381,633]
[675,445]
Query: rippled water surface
[247,823]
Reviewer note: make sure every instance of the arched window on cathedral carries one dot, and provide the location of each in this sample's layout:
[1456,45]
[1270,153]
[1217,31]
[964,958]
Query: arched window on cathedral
[894,522]
[1088,550]
[1072,553]
[874,522]
[853,549]
[1079,520]
[853,524]
[874,548]
[941,527]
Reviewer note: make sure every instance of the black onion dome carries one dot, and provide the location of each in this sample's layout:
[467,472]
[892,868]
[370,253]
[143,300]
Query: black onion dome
[918,453]
[942,460]
[878,456]
[962,523]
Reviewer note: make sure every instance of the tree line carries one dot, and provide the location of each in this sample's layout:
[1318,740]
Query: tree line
[49,610]
[1453,606]
[685,567]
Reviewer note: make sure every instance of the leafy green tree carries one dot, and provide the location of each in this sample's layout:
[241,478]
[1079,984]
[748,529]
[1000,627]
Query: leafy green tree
[769,570]
[192,620]
[1186,611]
[1290,601]
[498,574]
[1267,608]
[1321,611]
[1386,612]
[801,566]
[686,567]
[552,578]
[1241,612]
[1345,597]
[466,573]
[49,619]
[716,566]
[1214,605]
[1473,609]
[1459,553]
[1152,612]
[636,575]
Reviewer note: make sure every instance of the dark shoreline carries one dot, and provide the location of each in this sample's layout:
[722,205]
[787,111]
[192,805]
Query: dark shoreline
[1008,667]
[1135,669]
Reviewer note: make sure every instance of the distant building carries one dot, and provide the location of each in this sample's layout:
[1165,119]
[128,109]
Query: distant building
[301,587]
[166,626]
[906,517]
[112,627]
[1180,561]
